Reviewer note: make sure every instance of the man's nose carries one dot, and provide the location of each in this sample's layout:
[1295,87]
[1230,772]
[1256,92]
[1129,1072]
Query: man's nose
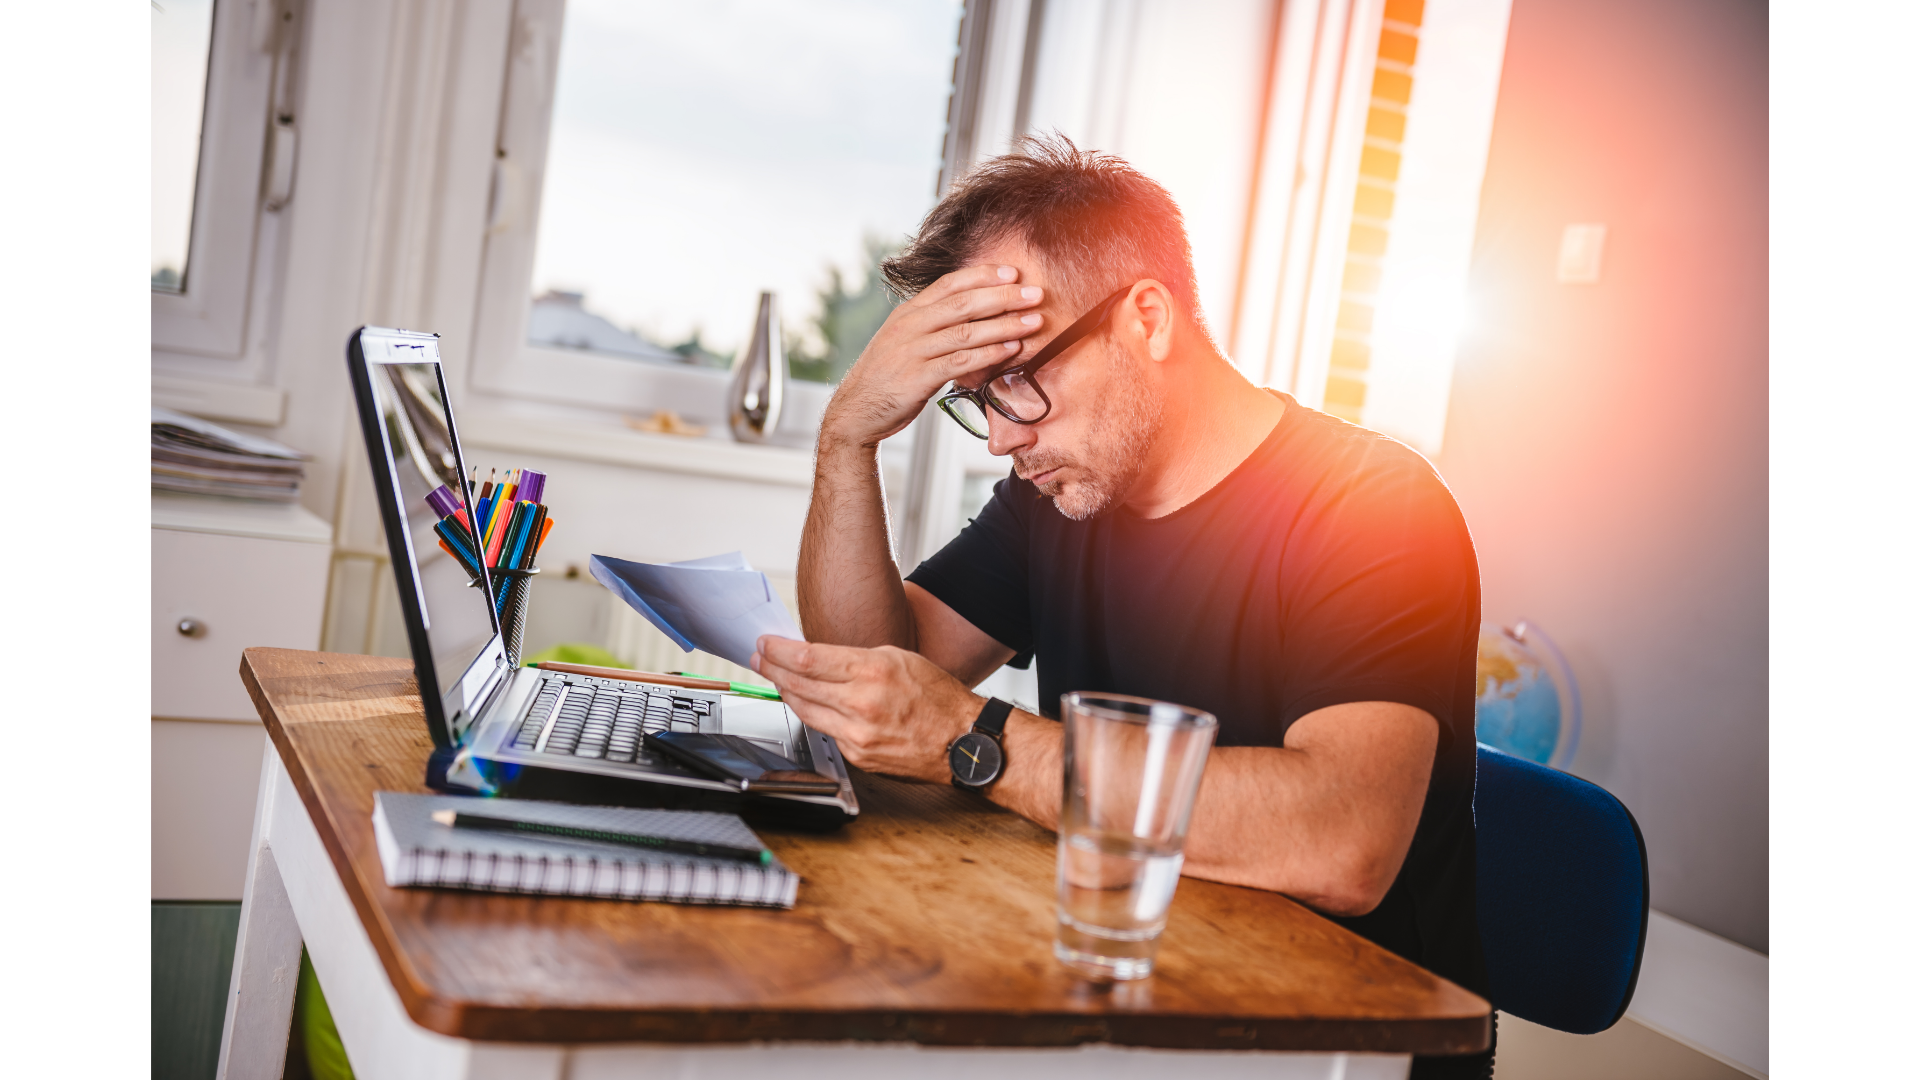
[1004,436]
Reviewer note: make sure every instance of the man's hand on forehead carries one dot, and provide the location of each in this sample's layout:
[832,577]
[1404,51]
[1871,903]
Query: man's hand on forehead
[969,322]
[976,379]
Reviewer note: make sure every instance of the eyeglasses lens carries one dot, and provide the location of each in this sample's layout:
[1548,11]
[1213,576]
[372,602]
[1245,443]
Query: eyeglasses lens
[1017,394]
[967,412]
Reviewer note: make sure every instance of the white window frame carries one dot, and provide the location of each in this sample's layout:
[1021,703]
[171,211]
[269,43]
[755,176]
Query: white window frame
[1424,275]
[504,363]
[992,92]
[1282,330]
[212,330]
[1283,327]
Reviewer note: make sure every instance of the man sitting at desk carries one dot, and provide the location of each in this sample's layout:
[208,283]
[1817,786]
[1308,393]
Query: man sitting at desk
[1170,531]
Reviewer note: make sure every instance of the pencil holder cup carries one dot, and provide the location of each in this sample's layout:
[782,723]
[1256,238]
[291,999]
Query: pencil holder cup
[513,612]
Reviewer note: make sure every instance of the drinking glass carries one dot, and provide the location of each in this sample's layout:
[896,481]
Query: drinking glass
[1132,770]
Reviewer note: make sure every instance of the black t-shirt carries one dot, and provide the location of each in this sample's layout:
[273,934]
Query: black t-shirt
[1331,566]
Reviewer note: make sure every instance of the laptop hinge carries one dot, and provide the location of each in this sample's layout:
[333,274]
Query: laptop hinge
[502,675]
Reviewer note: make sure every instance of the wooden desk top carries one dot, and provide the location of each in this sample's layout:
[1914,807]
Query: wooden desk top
[929,919]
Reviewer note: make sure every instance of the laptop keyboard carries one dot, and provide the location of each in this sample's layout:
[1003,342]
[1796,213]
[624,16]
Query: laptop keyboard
[586,721]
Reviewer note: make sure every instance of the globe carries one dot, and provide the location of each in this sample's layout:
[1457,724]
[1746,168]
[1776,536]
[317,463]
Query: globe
[1526,702]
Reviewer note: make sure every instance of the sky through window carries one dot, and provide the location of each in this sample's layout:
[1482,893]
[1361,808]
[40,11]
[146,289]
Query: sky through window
[703,152]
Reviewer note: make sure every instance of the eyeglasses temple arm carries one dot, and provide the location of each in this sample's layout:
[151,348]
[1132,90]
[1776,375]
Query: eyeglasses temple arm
[1067,338]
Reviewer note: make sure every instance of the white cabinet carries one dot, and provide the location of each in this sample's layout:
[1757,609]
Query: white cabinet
[226,575]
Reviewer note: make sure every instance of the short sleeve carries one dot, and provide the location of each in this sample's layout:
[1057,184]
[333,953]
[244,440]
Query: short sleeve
[982,573]
[1387,607]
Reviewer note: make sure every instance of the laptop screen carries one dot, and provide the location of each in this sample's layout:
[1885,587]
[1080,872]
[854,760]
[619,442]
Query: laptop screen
[422,453]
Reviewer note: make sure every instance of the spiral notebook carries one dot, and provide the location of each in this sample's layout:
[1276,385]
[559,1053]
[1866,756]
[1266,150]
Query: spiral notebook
[415,850]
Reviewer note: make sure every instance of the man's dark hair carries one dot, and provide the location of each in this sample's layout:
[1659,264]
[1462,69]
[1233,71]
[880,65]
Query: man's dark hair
[1094,220]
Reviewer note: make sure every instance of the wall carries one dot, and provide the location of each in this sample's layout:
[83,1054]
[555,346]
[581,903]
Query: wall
[1608,442]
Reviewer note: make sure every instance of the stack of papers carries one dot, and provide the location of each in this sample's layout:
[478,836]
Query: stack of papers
[718,605]
[193,456]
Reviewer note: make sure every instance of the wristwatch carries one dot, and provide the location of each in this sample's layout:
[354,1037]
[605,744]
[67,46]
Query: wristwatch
[976,757]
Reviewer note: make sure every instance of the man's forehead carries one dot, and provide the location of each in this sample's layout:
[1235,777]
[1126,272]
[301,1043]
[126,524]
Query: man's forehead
[1033,270]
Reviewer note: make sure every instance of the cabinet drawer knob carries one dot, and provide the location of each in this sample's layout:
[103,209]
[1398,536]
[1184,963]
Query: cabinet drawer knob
[191,628]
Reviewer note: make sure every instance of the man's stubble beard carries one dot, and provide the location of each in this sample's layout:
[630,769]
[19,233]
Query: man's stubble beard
[1126,429]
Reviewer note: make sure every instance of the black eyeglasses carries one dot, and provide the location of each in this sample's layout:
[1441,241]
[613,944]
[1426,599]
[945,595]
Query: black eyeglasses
[1013,393]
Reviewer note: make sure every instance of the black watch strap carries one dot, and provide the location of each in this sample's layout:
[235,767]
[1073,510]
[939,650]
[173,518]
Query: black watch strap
[993,719]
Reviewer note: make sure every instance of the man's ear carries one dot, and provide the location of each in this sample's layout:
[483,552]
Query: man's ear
[1150,310]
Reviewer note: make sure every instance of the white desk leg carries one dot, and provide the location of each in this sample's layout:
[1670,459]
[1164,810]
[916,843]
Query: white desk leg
[381,1041]
[266,957]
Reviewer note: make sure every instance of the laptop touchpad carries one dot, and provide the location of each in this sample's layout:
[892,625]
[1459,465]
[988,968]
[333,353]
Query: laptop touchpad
[752,718]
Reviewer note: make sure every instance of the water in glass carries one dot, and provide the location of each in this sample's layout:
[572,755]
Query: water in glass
[1114,894]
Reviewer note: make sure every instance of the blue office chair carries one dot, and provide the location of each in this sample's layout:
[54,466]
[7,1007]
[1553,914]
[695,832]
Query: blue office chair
[1562,880]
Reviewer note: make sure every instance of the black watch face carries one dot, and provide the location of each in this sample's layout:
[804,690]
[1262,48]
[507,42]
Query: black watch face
[975,759]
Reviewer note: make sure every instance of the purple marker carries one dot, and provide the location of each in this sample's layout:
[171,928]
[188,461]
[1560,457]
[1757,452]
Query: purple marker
[532,486]
[444,501]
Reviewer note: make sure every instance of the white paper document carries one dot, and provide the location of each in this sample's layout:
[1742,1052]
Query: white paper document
[718,604]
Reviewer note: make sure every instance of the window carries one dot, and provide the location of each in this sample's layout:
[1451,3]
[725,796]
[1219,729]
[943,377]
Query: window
[1451,55]
[1175,89]
[182,33]
[222,161]
[1353,295]
[660,164]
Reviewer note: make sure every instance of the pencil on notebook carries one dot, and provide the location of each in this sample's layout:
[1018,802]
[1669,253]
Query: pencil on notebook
[460,820]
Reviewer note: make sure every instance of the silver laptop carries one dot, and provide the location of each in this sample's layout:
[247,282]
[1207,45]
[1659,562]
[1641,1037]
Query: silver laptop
[524,732]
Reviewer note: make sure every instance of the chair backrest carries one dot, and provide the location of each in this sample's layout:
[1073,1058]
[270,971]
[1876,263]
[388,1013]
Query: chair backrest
[1561,873]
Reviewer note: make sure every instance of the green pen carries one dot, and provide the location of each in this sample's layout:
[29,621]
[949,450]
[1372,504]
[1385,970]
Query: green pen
[764,693]
[694,681]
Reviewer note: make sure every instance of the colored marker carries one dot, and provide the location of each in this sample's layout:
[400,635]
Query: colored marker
[497,531]
[456,544]
[444,501]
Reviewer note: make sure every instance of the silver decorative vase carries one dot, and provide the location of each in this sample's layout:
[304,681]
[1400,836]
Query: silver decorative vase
[759,385]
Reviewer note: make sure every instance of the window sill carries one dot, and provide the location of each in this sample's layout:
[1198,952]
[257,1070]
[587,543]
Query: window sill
[614,445]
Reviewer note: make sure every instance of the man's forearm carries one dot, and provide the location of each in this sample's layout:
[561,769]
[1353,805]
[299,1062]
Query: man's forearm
[850,589]
[1253,822]
[1328,825]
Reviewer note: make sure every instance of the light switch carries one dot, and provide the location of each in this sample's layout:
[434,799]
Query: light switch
[1580,250]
